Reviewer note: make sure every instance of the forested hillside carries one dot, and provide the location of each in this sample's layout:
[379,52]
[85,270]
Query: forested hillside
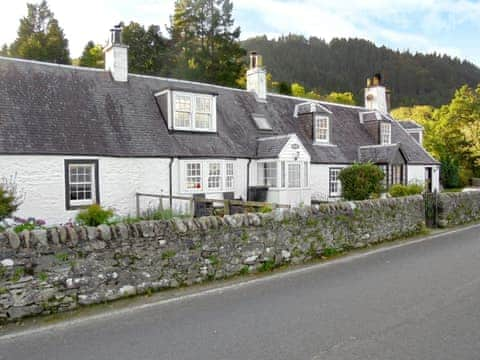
[343,65]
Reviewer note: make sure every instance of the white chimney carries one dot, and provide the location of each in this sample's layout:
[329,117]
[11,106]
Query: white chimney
[257,77]
[376,95]
[116,55]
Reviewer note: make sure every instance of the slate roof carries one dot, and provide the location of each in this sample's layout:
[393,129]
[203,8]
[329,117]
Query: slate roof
[410,124]
[385,154]
[65,110]
[271,147]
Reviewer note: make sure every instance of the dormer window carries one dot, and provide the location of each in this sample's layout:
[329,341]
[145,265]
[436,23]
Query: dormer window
[194,112]
[385,133]
[321,129]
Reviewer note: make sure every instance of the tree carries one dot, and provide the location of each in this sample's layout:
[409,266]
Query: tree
[297,90]
[206,45]
[10,198]
[361,181]
[92,56]
[346,98]
[40,37]
[148,51]
[4,50]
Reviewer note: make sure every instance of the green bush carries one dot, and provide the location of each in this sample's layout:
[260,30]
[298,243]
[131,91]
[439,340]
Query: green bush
[10,200]
[450,173]
[361,181]
[399,190]
[94,215]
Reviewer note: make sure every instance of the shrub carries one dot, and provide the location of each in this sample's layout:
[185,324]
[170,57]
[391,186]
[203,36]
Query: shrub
[10,199]
[361,181]
[94,215]
[399,190]
[265,209]
[450,172]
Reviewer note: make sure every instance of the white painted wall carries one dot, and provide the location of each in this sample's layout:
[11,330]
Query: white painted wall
[116,61]
[416,174]
[41,179]
[320,178]
[378,95]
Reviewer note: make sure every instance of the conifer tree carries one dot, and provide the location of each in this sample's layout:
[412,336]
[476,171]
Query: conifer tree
[40,37]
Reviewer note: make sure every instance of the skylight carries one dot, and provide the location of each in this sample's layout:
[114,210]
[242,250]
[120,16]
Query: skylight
[261,122]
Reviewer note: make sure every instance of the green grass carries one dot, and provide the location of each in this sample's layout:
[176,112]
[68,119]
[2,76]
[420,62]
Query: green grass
[168,254]
[453,190]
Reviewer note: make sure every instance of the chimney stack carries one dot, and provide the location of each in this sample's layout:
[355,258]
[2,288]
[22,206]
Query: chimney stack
[376,95]
[257,77]
[116,55]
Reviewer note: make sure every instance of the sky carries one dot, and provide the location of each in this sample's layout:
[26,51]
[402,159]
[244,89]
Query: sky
[444,26]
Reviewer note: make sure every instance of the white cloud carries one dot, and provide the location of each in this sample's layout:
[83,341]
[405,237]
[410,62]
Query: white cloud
[417,25]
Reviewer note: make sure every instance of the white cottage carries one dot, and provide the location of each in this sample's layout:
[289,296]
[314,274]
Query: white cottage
[75,136]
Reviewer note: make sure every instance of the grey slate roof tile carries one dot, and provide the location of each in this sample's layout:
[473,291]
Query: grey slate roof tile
[49,109]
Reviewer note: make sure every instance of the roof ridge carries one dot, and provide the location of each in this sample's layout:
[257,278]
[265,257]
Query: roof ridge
[81,68]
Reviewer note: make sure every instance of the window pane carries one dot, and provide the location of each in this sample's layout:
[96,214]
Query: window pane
[202,121]
[81,182]
[283,174]
[305,169]
[183,103]
[267,174]
[293,175]
[214,177]
[203,104]
[321,128]
[194,176]
[335,185]
[229,176]
[182,119]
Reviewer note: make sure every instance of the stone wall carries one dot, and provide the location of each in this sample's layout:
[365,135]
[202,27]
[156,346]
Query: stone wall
[59,269]
[458,208]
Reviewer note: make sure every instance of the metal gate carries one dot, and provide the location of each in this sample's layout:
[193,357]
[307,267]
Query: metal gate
[431,209]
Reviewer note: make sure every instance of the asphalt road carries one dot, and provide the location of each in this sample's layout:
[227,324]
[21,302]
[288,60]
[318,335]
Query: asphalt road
[419,301]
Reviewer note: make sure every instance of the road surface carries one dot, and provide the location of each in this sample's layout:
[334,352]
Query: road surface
[415,301]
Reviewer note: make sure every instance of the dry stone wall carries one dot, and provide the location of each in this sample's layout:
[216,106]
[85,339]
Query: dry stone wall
[60,269]
[458,208]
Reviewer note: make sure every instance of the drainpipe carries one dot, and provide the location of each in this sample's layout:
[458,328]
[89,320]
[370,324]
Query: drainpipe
[170,193]
[248,176]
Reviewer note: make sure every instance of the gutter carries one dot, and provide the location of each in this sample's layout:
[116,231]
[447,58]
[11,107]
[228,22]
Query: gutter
[248,176]
[170,183]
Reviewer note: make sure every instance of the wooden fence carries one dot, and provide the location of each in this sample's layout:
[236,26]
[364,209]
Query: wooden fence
[226,203]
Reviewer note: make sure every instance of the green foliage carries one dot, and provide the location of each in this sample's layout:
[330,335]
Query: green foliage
[399,190]
[148,51]
[297,90]
[267,266]
[62,257]
[43,276]
[450,172]
[361,181]
[26,226]
[168,254]
[40,37]
[94,215]
[205,44]
[346,98]
[343,64]
[330,251]
[92,56]
[266,209]
[18,274]
[10,199]
[244,270]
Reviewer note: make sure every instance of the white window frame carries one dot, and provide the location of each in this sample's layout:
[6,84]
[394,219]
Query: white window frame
[72,203]
[316,128]
[193,111]
[229,175]
[214,177]
[334,183]
[261,180]
[306,174]
[189,176]
[226,178]
[297,177]
[385,133]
